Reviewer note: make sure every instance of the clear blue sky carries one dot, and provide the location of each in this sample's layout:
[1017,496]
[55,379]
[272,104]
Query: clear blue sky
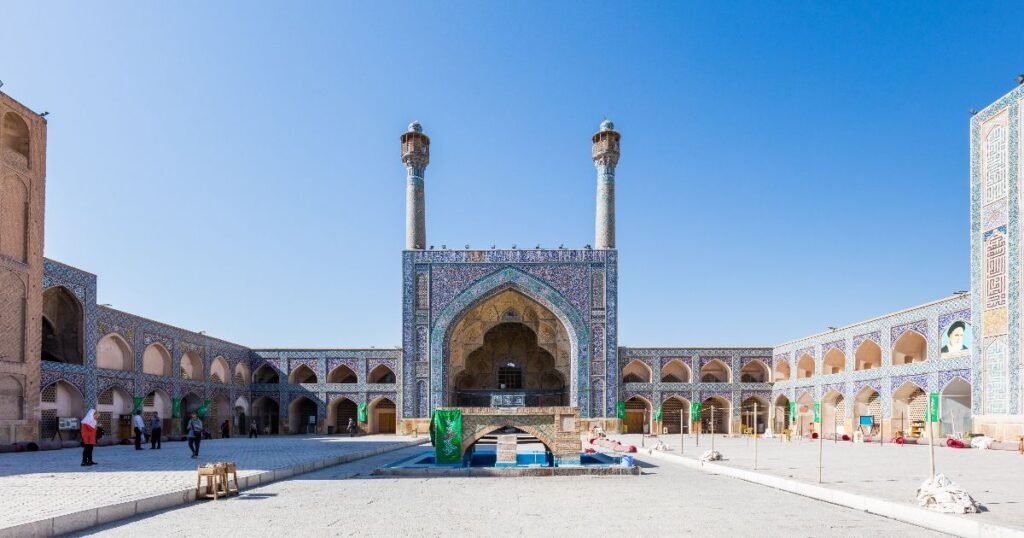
[234,167]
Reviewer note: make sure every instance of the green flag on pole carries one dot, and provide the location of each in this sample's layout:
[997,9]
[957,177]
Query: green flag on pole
[361,410]
[620,410]
[817,412]
[447,435]
[138,404]
[657,413]
[695,411]
[203,409]
[933,415]
[176,407]
[792,409]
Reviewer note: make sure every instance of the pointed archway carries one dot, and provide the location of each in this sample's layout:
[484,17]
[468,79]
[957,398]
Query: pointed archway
[542,296]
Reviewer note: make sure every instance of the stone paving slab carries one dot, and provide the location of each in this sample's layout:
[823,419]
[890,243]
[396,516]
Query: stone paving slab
[890,472]
[49,493]
[667,500]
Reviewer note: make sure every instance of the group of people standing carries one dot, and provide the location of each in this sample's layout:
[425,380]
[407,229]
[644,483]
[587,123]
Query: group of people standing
[194,430]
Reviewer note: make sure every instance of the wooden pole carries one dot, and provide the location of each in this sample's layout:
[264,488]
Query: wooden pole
[821,444]
[681,438]
[755,436]
[931,441]
[642,435]
[712,429]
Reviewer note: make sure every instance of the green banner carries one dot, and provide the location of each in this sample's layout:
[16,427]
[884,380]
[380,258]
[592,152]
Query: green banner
[447,435]
[792,410]
[175,407]
[203,409]
[138,404]
[695,411]
[933,413]
[362,413]
[620,410]
[817,412]
[657,413]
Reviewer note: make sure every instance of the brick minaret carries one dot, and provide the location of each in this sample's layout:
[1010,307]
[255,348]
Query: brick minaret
[415,156]
[606,156]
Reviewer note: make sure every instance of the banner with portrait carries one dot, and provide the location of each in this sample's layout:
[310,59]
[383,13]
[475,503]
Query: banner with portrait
[957,339]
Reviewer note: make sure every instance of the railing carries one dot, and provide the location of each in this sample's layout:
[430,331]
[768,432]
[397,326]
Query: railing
[511,398]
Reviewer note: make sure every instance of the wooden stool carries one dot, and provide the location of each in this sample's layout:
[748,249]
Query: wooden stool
[216,481]
[230,471]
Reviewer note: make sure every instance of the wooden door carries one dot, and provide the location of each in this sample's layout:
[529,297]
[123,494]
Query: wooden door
[386,423]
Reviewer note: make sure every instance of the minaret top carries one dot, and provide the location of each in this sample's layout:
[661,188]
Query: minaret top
[606,144]
[415,147]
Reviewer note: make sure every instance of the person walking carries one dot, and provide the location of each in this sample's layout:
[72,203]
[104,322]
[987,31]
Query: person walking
[194,429]
[352,428]
[155,431]
[140,429]
[88,437]
[225,429]
[254,430]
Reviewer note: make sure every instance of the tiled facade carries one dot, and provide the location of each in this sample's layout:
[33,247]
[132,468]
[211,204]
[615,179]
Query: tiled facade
[578,290]
[996,171]
[932,375]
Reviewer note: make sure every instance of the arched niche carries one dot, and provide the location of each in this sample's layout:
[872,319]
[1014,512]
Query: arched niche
[715,413]
[755,371]
[156,360]
[636,372]
[715,371]
[868,356]
[805,367]
[219,370]
[16,143]
[62,326]
[834,362]
[191,366]
[300,413]
[675,371]
[381,375]
[911,347]
[12,398]
[782,370]
[266,374]
[302,374]
[114,353]
[381,414]
[342,374]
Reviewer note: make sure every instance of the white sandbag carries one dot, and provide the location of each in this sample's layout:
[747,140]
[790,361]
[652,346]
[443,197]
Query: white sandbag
[711,455]
[982,442]
[944,495]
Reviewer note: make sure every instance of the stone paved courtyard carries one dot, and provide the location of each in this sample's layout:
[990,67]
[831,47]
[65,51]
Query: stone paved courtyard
[44,484]
[668,501]
[892,472]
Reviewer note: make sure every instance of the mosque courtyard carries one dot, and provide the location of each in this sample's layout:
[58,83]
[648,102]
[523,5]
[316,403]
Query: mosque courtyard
[668,500]
[336,472]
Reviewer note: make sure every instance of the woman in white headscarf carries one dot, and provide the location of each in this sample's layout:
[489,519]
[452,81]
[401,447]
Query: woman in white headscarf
[88,437]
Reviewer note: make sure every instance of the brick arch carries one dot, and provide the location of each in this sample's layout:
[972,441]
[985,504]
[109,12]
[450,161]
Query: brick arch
[510,278]
[490,427]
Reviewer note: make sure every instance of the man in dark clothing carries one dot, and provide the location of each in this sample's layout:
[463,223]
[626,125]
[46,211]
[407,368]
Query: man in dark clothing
[254,430]
[155,431]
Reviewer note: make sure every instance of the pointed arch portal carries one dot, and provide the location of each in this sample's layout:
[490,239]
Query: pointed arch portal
[553,320]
